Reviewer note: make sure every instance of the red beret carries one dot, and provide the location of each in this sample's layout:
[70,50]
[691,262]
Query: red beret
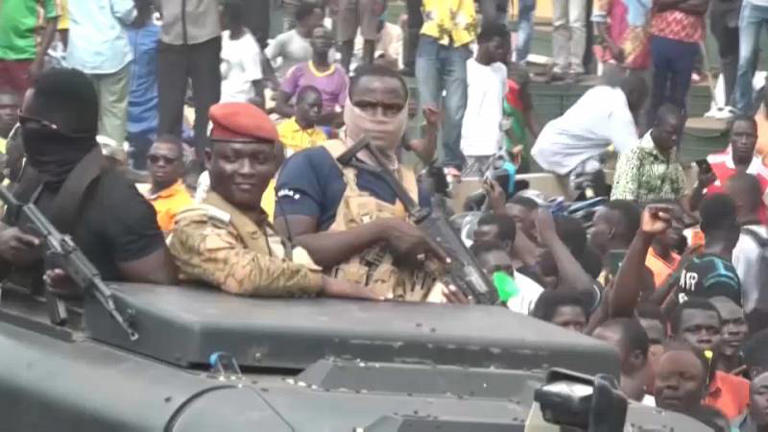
[241,121]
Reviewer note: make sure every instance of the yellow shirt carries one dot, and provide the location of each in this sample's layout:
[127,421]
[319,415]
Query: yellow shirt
[295,138]
[451,22]
[64,18]
[168,202]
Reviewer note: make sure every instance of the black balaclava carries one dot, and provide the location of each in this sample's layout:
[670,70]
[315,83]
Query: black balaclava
[52,154]
[66,101]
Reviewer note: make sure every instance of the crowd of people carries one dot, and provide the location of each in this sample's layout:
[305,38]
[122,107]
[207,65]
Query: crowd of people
[239,176]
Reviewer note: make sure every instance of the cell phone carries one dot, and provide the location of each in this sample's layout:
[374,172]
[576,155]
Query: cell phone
[704,166]
[615,258]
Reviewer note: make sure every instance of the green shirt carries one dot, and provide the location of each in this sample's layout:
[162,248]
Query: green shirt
[643,174]
[17,32]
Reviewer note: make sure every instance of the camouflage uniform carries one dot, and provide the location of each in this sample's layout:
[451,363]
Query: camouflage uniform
[215,243]
[375,267]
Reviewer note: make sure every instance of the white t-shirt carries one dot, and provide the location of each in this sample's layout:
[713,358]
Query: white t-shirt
[240,66]
[601,117]
[746,260]
[481,127]
[529,292]
[287,50]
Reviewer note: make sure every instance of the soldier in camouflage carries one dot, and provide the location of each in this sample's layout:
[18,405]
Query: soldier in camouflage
[227,241]
[350,220]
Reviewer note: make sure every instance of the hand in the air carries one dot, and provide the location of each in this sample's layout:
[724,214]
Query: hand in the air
[656,219]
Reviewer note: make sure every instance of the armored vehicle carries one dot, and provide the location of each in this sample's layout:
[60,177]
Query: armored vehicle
[204,360]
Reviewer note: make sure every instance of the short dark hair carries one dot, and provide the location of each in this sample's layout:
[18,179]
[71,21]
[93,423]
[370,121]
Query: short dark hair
[633,334]
[551,300]
[572,233]
[630,217]
[304,91]
[743,118]
[490,31]
[718,213]
[67,98]
[668,110]
[694,303]
[680,345]
[505,222]
[524,201]
[754,192]
[755,350]
[375,70]
[306,9]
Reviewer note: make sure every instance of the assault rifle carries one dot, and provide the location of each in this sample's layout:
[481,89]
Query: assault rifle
[61,252]
[463,269]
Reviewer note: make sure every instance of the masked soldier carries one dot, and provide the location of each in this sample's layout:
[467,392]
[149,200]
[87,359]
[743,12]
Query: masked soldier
[350,220]
[227,241]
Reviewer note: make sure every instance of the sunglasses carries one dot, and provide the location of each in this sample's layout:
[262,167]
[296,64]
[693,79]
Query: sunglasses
[37,123]
[155,159]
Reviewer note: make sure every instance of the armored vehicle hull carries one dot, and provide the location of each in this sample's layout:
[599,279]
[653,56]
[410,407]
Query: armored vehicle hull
[299,365]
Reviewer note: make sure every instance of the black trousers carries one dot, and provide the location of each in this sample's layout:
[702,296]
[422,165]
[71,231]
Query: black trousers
[724,23]
[175,65]
[411,39]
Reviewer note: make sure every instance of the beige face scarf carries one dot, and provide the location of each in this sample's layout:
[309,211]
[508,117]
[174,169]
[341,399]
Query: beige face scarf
[385,133]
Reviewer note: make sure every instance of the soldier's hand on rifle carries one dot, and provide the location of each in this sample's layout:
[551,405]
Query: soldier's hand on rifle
[405,238]
[454,295]
[17,247]
[345,289]
[61,285]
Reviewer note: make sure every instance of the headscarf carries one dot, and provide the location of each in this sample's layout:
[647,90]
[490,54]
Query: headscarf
[384,132]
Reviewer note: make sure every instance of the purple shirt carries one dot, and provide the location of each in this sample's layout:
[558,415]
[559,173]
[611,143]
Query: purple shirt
[332,86]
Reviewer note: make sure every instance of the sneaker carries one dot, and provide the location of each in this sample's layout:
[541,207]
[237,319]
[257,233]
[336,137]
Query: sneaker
[698,77]
[725,113]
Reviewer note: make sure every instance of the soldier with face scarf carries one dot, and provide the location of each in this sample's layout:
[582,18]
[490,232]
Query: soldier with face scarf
[350,220]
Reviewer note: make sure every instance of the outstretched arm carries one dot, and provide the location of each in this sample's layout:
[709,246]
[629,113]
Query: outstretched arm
[628,284]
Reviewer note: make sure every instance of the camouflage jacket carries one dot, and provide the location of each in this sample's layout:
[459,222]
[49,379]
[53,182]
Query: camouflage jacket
[215,243]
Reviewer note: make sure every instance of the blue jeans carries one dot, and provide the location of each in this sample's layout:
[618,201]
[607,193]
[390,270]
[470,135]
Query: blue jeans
[673,63]
[751,21]
[441,67]
[525,9]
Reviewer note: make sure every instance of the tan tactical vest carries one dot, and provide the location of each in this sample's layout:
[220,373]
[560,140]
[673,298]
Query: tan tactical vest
[374,267]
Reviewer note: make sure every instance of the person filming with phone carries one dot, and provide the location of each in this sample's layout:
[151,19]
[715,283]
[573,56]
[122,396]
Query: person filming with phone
[739,157]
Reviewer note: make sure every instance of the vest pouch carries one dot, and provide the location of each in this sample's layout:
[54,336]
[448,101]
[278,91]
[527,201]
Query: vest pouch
[351,271]
[362,210]
[384,280]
